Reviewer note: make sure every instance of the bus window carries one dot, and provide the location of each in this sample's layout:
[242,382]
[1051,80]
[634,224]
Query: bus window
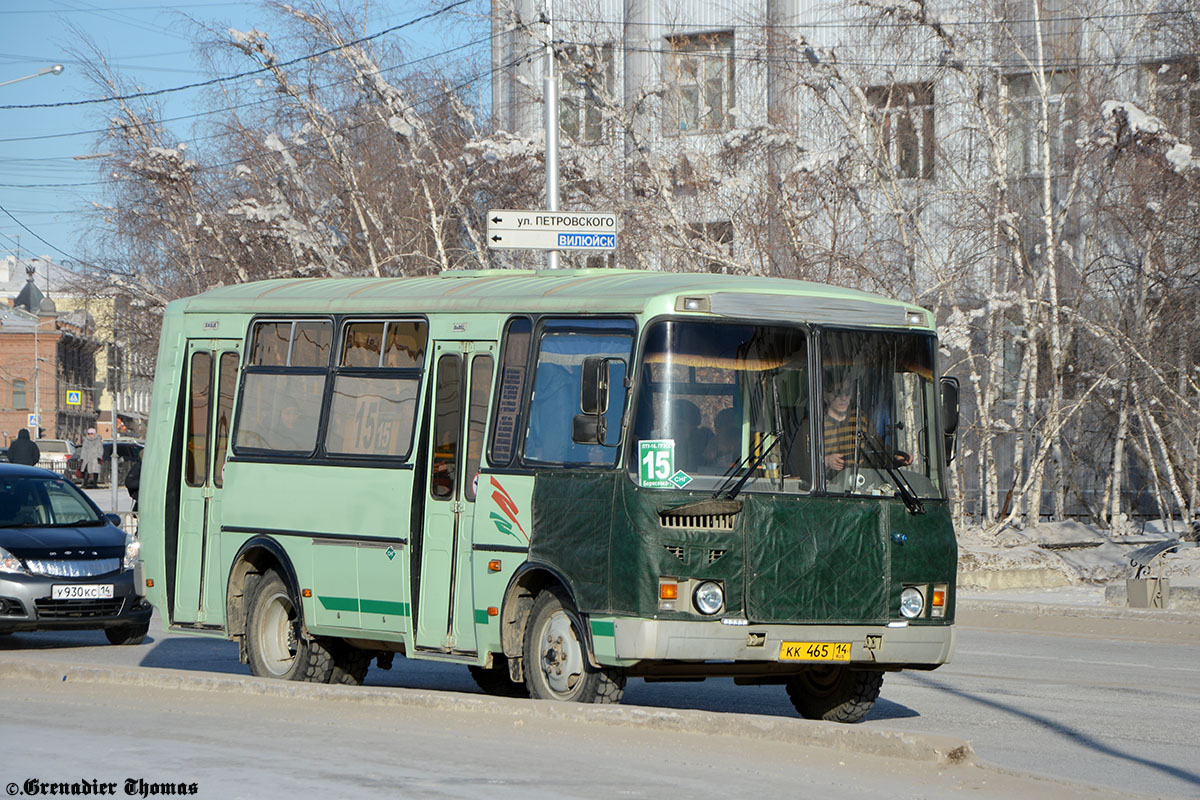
[446,427]
[405,344]
[281,400]
[225,392]
[481,381]
[563,346]
[510,389]
[362,344]
[196,468]
[372,416]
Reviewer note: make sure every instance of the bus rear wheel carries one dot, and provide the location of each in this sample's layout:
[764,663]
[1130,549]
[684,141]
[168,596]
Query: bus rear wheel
[835,694]
[275,644]
[556,658]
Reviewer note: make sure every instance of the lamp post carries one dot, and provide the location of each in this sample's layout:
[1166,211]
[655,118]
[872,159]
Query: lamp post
[56,69]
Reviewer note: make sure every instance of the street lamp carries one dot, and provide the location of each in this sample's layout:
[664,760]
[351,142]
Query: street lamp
[52,70]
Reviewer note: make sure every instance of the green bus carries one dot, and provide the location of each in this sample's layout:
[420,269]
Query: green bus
[558,478]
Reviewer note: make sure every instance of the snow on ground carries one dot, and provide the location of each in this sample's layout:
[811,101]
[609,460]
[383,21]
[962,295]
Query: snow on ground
[1065,554]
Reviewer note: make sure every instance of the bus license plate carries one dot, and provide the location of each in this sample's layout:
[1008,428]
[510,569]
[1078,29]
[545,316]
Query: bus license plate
[814,651]
[82,591]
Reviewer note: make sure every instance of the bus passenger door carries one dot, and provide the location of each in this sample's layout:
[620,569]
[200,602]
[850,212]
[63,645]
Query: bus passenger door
[211,386]
[445,612]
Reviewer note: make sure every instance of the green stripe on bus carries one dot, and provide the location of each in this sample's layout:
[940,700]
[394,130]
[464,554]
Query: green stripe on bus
[481,616]
[365,606]
[384,607]
[339,603]
[603,628]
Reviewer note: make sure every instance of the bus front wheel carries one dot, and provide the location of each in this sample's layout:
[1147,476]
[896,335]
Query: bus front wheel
[835,694]
[275,645]
[556,659]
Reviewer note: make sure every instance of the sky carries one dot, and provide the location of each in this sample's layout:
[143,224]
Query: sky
[48,186]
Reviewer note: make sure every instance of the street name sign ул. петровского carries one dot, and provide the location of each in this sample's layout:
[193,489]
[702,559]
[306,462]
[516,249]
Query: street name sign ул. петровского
[551,230]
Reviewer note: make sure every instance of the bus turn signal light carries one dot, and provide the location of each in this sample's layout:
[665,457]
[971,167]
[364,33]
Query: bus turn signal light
[494,565]
[937,608]
[306,592]
[668,591]
[149,581]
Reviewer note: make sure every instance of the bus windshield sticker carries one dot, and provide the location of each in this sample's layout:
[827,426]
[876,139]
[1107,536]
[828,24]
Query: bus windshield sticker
[656,463]
[680,479]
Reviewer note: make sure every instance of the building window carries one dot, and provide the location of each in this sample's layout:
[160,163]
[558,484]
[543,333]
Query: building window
[585,88]
[20,403]
[902,124]
[1024,121]
[1174,93]
[701,83]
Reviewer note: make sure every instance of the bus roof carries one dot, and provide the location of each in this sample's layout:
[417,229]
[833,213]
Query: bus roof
[596,291]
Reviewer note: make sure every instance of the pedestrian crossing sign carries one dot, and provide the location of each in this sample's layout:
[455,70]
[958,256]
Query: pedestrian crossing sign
[75,397]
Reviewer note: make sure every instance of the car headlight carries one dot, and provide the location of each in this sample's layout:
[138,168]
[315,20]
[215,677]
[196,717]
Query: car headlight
[912,602]
[10,563]
[133,549]
[709,597]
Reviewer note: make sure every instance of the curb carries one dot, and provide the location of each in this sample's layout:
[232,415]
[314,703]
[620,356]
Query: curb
[1062,610]
[865,741]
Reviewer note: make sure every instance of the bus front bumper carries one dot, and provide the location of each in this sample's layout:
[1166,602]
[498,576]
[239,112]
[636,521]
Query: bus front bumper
[915,646]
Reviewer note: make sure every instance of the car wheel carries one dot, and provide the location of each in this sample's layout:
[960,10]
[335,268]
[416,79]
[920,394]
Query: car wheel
[835,694]
[275,644]
[556,658]
[127,634]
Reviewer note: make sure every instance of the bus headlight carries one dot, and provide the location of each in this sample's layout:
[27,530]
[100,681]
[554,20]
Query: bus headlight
[912,602]
[708,598]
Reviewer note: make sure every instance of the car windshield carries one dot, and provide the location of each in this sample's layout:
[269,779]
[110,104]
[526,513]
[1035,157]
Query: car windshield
[36,502]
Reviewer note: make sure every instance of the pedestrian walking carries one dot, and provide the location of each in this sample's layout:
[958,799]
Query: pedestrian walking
[91,454]
[24,450]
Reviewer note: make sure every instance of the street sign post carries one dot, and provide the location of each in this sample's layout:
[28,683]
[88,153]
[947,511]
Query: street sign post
[551,230]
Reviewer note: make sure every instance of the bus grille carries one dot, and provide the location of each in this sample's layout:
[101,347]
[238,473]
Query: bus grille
[80,609]
[702,522]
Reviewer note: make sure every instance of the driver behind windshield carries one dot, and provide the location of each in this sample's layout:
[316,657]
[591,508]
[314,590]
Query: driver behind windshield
[841,426]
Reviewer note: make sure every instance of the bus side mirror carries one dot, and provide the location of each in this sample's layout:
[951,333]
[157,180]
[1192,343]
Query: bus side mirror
[590,426]
[949,415]
[593,385]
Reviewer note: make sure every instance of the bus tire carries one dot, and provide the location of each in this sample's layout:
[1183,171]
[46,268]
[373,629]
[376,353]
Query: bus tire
[350,664]
[835,694]
[556,658]
[275,644]
[494,680]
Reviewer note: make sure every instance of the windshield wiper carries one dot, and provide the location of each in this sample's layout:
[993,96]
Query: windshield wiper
[746,471]
[903,488]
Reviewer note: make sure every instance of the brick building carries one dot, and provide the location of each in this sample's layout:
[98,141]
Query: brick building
[46,355]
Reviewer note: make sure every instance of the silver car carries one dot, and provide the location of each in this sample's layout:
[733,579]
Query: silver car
[64,565]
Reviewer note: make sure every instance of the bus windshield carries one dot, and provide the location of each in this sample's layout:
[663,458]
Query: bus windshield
[726,407]
[878,426]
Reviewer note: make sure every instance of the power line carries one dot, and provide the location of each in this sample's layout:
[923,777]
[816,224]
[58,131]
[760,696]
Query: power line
[239,76]
[249,103]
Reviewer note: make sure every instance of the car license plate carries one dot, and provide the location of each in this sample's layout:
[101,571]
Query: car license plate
[814,651]
[81,591]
